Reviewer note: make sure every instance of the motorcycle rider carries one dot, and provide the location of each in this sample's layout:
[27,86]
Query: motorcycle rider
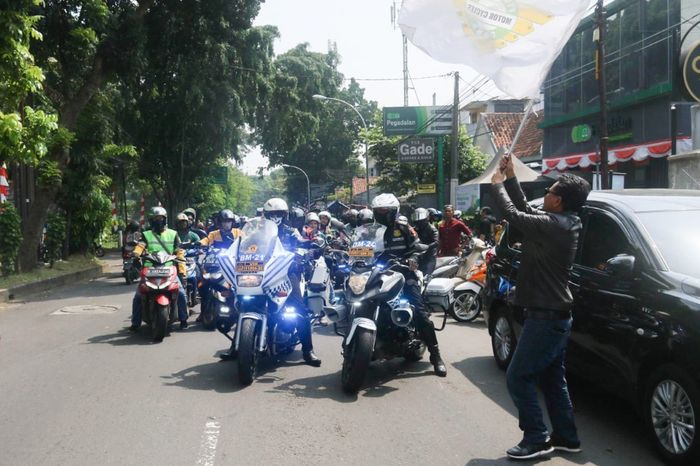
[223,237]
[276,209]
[399,242]
[351,219]
[192,217]
[296,218]
[325,226]
[312,223]
[161,238]
[182,226]
[428,235]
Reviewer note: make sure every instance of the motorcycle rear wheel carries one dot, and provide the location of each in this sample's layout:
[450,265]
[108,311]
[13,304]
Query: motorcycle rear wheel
[160,324]
[467,306]
[247,352]
[356,361]
[209,315]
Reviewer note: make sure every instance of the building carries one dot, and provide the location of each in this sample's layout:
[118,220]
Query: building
[494,132]
[642,52]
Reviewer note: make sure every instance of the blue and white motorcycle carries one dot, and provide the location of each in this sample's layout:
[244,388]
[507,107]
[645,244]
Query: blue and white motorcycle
[257,266]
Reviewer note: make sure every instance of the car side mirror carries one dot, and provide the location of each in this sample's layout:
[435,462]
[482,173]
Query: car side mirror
[621,266]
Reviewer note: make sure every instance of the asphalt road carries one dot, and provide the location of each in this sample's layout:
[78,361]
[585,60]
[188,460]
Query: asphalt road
[81,390]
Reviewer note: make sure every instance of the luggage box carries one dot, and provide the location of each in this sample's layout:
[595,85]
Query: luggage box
[439,294]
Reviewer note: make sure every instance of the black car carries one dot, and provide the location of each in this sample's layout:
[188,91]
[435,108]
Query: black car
[636,311]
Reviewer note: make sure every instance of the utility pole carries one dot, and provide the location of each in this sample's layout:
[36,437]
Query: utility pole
[454,160]
[394,21]
[599,38]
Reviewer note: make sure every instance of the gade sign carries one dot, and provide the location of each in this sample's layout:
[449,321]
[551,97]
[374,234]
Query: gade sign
[417,150]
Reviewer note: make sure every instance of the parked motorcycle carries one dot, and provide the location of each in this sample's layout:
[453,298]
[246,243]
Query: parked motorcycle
[469,282]
[159,289]
[382,324]
[130,271]
[257,266]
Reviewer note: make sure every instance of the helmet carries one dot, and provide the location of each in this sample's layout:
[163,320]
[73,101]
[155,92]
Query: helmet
[133,225]
[458,214]
[402,220]
[228,220]
[259,212]
[295,213]
[158,219]
[419,215]
[226,214]
[325,213]
[276,209]
[385,208]
[312,217]
[351,214]
[190,212]
[182,217]
[365,216]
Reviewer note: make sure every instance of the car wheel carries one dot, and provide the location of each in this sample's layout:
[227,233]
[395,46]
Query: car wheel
[671,409]
[503,339]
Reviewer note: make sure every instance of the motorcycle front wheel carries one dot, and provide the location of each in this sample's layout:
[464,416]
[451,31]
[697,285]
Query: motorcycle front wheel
[247,352]
[209,314]
[160,323]
[467,306]
[356,361]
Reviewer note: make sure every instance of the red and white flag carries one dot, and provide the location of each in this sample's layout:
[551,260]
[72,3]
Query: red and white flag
[513,42]
[4,184]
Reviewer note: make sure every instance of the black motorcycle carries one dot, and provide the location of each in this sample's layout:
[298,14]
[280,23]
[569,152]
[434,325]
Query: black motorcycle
[379,319]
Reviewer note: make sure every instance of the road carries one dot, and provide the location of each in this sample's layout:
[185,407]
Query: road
[78,389]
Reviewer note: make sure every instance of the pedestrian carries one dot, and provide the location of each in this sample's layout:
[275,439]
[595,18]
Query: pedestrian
[548,250]
[487,224]
[450,233]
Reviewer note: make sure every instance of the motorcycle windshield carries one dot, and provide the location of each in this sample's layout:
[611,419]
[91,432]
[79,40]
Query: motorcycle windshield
[258,241]
[367,243]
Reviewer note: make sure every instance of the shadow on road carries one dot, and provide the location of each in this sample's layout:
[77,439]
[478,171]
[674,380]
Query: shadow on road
[608,413]
[98,288]
[219,376]
[124,337]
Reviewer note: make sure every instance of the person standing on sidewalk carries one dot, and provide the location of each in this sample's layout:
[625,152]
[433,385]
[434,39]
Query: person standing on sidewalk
[548,251]
[450,233]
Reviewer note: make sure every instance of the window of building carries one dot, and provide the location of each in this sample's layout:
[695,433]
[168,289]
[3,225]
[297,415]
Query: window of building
[656,43]
[572,79]
[630,45]
[612,55]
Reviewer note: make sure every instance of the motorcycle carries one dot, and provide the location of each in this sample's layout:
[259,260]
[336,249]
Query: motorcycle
[193,276]
[382,324]
[468,283]
[257,266]
[214,291]
[130,271]
[159,288]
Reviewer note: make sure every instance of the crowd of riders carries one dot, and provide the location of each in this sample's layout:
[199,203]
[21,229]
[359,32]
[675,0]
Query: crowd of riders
[440,233]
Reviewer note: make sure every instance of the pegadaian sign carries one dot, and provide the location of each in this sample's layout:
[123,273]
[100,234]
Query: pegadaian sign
[416,150]
[418,121]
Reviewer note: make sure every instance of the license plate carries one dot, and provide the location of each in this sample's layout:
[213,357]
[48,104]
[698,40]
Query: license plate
[250,267]
[158,272]
[361,252]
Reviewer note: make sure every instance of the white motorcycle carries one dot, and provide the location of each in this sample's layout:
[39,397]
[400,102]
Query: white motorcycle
[257,266]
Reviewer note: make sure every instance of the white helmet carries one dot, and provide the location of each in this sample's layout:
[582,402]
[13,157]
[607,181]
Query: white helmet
[312,217]
[385,208]
[402,220]
[458,214]
[276,209]
[419,214]
[324,213]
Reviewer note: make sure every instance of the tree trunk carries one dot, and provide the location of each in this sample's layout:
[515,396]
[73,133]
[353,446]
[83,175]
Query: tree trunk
[33,227]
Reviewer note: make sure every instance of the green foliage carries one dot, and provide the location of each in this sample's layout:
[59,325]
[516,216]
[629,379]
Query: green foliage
[48,173]
[25,130]
[55,236]
[272,185]
[321,137]
[10,239]
[402,178]
[235,195]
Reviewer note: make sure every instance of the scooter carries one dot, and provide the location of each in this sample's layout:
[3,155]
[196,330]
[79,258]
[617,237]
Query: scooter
[159,288]
[214,290]
[468,283]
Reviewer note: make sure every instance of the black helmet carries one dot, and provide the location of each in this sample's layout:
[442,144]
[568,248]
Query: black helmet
[133,225]
[228,220]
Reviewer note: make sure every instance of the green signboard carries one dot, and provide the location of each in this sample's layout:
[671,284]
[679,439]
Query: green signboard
[422,121]
[219,175]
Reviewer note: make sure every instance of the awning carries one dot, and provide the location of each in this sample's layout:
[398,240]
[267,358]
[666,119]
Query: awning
[635,152]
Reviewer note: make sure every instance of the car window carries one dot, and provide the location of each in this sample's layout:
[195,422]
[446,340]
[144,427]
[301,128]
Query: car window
[603,239]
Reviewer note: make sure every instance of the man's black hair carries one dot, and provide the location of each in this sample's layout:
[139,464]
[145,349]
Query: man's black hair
[486,211]
[573,191]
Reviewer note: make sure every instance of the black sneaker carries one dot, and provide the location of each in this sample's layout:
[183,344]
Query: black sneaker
[183,324]
[134,328]
[563,445]
[311,359]
[526,451]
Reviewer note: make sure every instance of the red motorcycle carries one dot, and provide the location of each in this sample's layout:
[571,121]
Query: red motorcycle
[159,288]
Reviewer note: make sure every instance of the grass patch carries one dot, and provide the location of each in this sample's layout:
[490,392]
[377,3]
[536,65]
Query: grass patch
[72,264]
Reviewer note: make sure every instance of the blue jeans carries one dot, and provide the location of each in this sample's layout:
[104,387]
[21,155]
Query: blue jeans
[539,357]
[181,305]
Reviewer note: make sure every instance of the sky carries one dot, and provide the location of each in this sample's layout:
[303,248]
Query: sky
[370,48]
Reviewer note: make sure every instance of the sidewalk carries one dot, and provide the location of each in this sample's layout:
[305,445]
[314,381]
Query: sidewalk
[109,266]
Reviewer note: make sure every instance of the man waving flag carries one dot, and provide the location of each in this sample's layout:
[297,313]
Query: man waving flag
[513,42]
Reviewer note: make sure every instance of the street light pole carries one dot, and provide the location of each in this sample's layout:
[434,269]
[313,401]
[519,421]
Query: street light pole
[364,123]
[308,185]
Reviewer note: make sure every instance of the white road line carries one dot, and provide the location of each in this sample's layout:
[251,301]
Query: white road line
[207,446]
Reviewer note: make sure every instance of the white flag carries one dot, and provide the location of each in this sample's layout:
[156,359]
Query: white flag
[513,42]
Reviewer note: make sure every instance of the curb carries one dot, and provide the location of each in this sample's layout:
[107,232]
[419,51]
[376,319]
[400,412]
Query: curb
[50,283]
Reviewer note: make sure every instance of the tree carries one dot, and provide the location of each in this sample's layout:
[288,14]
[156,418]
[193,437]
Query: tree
[199,84]
[236,195]
[320,137]
[402,178]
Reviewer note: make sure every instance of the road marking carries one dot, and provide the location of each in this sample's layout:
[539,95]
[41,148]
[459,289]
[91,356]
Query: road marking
[207,446]
[86,309]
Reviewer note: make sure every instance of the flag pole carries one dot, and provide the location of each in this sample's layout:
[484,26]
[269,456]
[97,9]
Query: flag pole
[528,109]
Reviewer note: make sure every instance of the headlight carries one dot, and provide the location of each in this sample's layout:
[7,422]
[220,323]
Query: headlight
[249,281]
[357,283]
[212,276]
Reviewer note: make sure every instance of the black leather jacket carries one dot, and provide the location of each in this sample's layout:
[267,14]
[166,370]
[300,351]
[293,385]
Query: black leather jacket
[548,250]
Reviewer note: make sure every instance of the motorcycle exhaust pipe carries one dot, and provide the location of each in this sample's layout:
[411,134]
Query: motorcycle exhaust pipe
[336,312]
[401,317]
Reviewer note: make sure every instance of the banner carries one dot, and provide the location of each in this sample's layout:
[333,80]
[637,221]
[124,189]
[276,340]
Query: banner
[513,42]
